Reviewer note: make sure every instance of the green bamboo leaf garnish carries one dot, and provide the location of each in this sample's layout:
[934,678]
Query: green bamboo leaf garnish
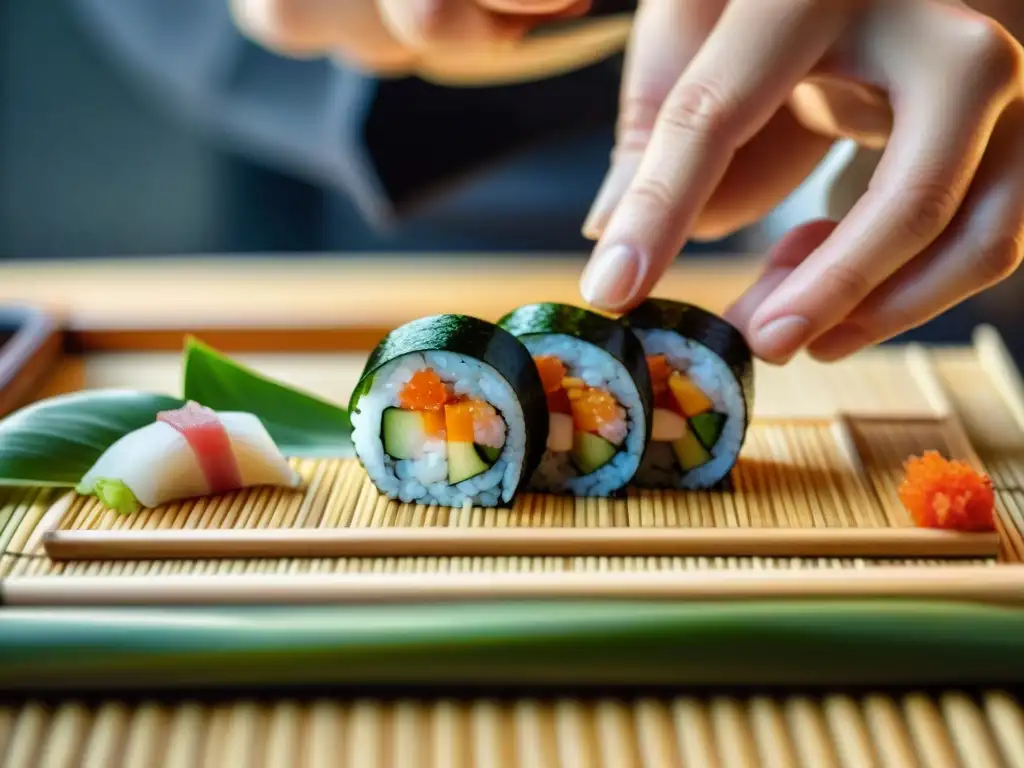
[54,442]
[301,424]
[603,643]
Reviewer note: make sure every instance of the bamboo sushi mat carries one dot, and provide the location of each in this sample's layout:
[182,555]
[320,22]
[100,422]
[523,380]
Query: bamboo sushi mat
[871,411]
[914,731]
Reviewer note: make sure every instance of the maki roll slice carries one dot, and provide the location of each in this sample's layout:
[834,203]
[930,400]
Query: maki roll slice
[597,393]
[449,410]
[702,378]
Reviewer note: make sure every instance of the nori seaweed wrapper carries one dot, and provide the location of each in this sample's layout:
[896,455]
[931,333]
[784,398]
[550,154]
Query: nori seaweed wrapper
[479,340]
[718,335]
[603,332]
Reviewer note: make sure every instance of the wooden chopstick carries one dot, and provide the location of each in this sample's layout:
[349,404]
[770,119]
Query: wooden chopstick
[525,542]
[998,585]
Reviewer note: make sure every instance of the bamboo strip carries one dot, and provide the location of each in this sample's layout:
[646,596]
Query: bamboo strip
[42,566]
[797,731]
[511,542]
[891,731]
[922,369]
[997,362]
[997,585]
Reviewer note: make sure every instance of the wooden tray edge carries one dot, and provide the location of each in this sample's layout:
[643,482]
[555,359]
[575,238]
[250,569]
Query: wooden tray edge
[29,357]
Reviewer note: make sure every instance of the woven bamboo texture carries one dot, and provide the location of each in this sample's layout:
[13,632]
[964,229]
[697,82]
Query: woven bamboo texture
[871,411]
[825,451]
[952,730]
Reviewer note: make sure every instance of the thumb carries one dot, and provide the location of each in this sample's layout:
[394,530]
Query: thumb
[666,35]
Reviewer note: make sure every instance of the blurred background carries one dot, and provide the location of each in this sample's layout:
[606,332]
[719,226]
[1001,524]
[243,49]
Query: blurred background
[146,129]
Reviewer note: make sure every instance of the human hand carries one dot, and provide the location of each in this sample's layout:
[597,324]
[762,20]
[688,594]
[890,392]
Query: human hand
[387,37]
[728,105]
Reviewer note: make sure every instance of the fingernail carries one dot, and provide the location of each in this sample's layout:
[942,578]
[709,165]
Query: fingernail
[780,339]
[614,186]
[611,277]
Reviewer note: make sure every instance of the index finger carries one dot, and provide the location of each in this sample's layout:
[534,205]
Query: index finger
[748,66]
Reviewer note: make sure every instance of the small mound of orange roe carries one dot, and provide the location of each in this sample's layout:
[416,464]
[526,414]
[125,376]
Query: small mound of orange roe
[943,493]
[593,408]
[424,392]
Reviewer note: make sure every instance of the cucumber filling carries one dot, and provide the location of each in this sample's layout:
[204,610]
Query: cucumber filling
[590,452]
[402,433]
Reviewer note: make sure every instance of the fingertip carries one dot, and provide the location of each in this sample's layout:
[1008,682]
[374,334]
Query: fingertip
[612,278]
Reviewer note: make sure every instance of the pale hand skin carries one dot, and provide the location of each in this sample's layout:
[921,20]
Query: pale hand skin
[395,36]
[728,106]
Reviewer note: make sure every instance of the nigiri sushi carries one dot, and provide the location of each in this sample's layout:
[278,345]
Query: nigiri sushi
[189,452]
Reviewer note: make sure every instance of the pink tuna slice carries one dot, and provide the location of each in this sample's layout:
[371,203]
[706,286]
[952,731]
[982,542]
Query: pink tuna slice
[209,441]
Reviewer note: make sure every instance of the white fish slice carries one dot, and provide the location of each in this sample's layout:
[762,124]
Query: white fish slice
[155,464]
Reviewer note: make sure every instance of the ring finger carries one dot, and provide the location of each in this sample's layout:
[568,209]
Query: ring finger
[983,246]
[944,116]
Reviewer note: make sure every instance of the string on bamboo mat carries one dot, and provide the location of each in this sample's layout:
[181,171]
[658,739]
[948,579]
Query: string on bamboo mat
[955,729]
[36,565]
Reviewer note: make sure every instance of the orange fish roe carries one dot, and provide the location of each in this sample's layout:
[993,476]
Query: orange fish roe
[593,408]
[551,371]
[660,371]
[940,493]
[424,392]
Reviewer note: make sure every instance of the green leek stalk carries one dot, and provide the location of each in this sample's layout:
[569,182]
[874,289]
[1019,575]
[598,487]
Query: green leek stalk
[764,643]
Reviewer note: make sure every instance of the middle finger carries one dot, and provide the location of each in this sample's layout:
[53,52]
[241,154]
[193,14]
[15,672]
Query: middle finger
[716,106]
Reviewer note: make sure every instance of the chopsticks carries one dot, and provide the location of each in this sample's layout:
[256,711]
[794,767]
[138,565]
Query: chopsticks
[523,542]
[1002,585]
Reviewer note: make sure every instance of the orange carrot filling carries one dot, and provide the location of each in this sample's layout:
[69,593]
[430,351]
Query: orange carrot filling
[434,424]
[660,371]
[459,422]
[551,371]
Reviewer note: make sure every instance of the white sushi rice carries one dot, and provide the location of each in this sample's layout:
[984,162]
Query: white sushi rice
[659,468]
[596,368]
[424,480]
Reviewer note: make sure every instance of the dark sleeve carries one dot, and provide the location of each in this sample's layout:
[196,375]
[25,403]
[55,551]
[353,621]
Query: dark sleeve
[389,146]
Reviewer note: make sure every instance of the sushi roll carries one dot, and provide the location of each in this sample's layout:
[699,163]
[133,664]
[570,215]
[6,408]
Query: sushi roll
[449,410]
[597,393]
[702,376]
[185,453]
